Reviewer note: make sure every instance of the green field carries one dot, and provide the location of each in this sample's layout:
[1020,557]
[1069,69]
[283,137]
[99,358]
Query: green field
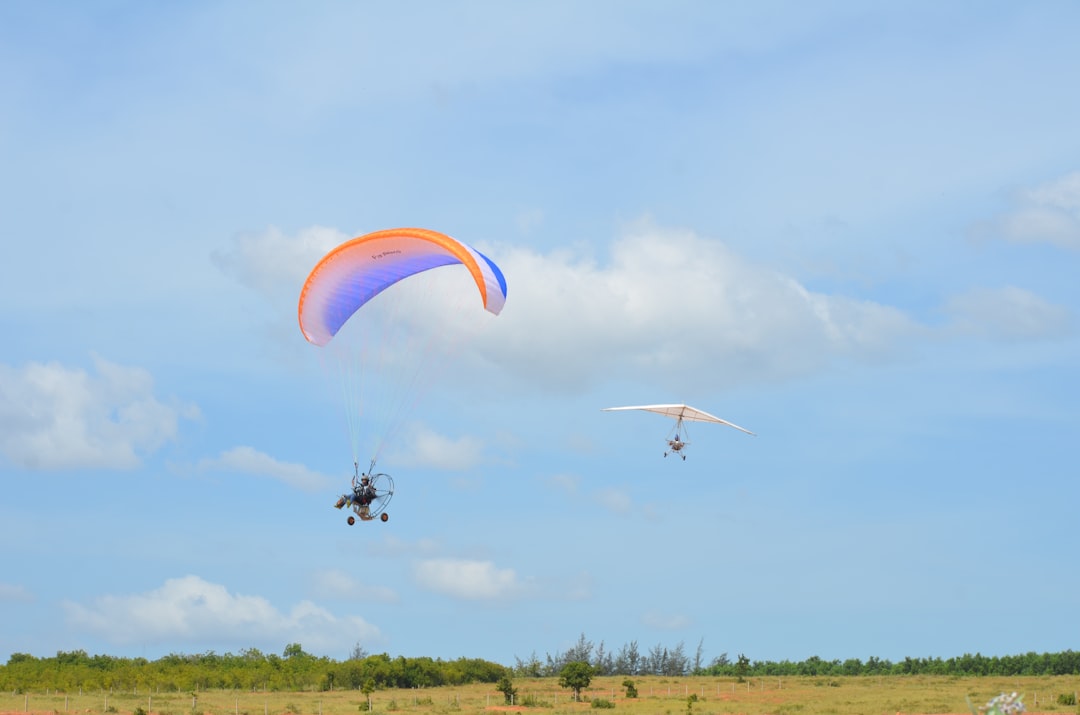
[691,695]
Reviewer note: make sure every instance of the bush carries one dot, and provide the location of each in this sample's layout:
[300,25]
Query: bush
[603,703]
[531,701]
[1067,699]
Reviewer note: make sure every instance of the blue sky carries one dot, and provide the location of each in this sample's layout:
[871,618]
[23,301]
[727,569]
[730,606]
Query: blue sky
[852,229]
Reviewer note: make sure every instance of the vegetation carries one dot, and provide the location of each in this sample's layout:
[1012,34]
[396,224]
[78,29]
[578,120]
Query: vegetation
[576,675]
[251,670]
[657,695]
[631,660]
[506,687]
[296,670]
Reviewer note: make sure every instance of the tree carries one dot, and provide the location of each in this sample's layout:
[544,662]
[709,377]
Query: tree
[581,651]
[576,675]
[676,661]
[697,667]
[506,687]
[628,659]
[742,668]
[531,668]
[358,652]
[719,663]
[367,689]
[603,662]
[631,689]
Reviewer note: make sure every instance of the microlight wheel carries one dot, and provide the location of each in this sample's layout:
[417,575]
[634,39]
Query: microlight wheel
[384,517]
[352,520]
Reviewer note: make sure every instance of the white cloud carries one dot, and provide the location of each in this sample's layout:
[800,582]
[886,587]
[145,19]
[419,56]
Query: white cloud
[665,621]
[340,585]
[55,417]
[675,307]
[467,580]
[14,592]
[274,264]
[394,547]
[427,448]
[564,482]
[248,460]
[615,500]
[190,609]
[1048,213]
[1008,313]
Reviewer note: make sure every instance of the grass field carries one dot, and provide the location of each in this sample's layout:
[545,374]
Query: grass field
[862,695]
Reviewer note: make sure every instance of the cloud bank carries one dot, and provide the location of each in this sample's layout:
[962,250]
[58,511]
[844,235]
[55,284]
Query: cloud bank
[192,610]
[466,580]
[57,417]
[248,460]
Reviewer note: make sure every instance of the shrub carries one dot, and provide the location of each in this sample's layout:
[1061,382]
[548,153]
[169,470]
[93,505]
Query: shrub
[1067,699]
[531,701]
[602,703]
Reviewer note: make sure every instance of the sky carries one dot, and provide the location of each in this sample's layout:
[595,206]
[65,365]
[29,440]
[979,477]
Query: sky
[852,229]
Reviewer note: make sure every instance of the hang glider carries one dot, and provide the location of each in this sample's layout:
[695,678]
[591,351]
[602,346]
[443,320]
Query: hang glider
[680,413]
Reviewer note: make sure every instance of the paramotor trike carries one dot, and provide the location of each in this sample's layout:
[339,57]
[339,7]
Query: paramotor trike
[371,494]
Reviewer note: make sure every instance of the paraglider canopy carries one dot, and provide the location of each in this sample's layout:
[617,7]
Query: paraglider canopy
[356,271]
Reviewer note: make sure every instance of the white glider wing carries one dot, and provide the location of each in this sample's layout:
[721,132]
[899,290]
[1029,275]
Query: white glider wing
[680,412]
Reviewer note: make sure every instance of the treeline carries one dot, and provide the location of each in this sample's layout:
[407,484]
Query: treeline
[1064,663]
[296,670]
[251,670]
[660,660]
